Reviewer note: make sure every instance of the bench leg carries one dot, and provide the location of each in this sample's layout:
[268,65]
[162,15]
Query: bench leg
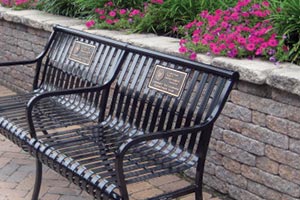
[198,194]
[38,180]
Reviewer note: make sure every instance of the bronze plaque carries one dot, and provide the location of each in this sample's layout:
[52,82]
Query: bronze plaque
[82,52]
[167,80]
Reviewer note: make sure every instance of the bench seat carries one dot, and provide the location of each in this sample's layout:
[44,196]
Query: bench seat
[90,153]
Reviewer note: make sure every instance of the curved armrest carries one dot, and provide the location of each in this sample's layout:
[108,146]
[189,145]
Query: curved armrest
[159,135]
[120,154]
[33,101]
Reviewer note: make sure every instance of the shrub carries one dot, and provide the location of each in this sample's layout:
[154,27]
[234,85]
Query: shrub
[138,4]
[70,8]
[241,31]
[287,23]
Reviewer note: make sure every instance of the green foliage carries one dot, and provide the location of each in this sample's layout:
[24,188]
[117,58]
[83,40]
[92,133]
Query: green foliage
[70,8]
[129,3]
[287,23]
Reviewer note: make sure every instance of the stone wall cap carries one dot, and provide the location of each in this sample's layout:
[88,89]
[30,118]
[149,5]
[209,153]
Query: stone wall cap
[255,71]
[284,76]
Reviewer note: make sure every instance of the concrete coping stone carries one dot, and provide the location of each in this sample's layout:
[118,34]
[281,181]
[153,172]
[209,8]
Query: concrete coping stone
[283,76]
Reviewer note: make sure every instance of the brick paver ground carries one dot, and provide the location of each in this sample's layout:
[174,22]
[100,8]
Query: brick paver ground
[17,171]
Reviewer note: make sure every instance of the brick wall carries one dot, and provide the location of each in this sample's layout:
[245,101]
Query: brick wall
[19,42]
[255,148]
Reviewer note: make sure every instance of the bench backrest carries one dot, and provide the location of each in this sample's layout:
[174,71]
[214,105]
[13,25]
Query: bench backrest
[76,59]
[159,92]
[80,59]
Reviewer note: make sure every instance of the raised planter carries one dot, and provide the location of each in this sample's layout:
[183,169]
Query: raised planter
[255,149]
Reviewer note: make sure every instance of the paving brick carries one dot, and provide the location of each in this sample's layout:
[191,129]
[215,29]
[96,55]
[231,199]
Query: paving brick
[163,180]
[174,185]
[50,197]
[7,185]
[63,191]
[142,195]
[136,187]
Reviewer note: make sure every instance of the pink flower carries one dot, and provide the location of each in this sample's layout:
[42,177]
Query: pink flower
[245,14]
[90,23]
[110,3]
[273,42]
[20,2]
[196,32]
[256,6]
[241,40]
[219,12]
[265,3]
[234,16]
[222,47]
[205,42]
[97,10]
[123,11]
[231,45]
[174,29]
[100,11]
[196,39]
[102,17]
[109,21]
[259,51]
[134,12]
[157,1]
[250,47]
[208,37]
[264,45]
[112,13]
[182,42]
[190,25]
[193,56]
[182,49]
[204,14]
[216,50]
[222,37]
[233,53]
[224,24]
[200,23]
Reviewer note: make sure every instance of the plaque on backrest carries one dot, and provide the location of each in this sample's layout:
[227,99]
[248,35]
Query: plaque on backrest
[82,52]
[167,80]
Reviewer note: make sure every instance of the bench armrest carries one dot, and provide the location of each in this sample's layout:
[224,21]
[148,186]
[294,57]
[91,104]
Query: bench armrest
[132,142]
[33,101]
[159,135]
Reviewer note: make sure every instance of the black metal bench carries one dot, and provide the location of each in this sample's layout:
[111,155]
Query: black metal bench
[131,114]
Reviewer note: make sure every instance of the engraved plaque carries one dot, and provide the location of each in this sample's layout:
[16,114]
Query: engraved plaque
[167,80]
[82,52]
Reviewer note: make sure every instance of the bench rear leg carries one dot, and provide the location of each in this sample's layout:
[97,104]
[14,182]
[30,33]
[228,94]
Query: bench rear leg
[38,180]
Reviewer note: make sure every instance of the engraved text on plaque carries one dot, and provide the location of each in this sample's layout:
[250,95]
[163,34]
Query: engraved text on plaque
[82,52]
[167,80]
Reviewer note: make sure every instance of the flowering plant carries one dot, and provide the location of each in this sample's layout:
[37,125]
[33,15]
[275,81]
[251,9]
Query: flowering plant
[19,4]
[241,31]
[112,17]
